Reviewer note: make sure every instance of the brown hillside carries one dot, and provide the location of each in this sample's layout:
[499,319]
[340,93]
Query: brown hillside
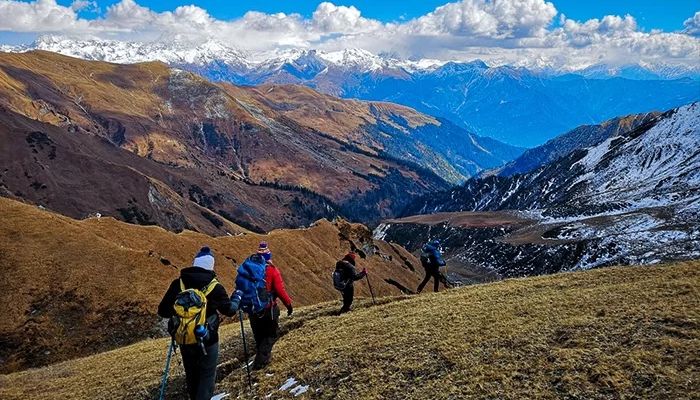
[73,288]
[214,134]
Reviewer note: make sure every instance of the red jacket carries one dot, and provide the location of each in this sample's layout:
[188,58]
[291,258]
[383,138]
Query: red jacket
[275,286]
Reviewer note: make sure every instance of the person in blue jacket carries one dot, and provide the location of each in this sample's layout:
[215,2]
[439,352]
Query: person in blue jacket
[431,259]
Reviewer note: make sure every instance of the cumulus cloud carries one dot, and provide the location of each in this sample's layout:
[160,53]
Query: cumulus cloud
[520,32]
[39,16]
[692,25]
[494,19]
[330,18]
[84,5]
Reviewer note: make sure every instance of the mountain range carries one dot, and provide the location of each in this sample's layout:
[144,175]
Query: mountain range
[157,145]
[512,104]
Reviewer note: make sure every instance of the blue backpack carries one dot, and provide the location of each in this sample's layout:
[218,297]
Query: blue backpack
[251,282]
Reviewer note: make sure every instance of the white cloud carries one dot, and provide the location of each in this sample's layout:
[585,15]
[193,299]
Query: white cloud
[84,5]
[330,18]
[519,32]
[39,16]
[494,19]
[692,25]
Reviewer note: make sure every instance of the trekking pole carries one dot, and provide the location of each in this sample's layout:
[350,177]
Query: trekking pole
[370,290]
[164,381]
[245,350]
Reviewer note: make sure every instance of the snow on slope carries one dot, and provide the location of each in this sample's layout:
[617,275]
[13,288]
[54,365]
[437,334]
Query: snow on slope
[666,158]
[656,168]
[632,199]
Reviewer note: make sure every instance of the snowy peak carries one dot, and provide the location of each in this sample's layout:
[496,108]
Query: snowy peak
[179,51]
[175,52]
[356,59]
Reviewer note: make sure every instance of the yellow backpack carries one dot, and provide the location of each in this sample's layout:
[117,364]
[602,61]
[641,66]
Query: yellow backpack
[190,311]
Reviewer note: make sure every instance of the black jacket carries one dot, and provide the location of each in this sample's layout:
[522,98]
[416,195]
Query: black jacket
[217,300]
[348,271]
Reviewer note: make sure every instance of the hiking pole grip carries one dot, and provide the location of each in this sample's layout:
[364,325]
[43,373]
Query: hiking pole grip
[164,380]
[245,349]
[371,292]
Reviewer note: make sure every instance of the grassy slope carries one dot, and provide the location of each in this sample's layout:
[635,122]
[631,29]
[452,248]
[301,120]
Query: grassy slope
[72,288]
[611,333]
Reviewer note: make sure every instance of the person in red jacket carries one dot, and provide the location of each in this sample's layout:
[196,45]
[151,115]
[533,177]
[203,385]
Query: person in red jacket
[265,326]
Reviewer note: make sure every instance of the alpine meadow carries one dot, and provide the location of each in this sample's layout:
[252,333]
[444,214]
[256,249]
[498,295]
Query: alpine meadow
[445,199]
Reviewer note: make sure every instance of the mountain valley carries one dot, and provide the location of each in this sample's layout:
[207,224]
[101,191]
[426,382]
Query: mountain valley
[204,156]
[633,198]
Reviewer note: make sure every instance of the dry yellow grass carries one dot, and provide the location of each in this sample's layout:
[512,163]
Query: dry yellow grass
[134,372]
[603,334]
[72,288]
[618,333]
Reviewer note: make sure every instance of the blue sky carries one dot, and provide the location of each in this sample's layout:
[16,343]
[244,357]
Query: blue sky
[667,15]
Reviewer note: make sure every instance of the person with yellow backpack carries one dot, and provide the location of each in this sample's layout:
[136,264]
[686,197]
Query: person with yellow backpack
[193,303]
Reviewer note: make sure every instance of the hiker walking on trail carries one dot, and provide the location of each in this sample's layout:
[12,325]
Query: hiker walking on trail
[260,302]
[431,259]
[344,277]
[192,303]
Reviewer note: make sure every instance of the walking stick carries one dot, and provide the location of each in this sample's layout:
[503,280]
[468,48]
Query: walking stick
[245,350]
[370,289]
[164,381]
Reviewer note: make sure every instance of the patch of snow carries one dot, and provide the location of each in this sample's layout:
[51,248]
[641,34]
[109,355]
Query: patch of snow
[288,384]
[381,231]
[299,390]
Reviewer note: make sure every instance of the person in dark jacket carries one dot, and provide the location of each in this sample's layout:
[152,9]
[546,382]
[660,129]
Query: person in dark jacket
[200,369]
[346,267]
[431,259]
[265,326]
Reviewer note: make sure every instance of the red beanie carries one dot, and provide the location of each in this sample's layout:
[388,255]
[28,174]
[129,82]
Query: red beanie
[350,257]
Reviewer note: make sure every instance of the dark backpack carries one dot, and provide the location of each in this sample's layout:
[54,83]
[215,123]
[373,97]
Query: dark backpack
[430,258]
[425,260]
[251,282]
[340,282]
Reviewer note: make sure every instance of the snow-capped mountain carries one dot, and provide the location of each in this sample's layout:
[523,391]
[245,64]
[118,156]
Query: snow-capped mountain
[174,52]
[516,105]
[655,163]
[213,51]
[633,198]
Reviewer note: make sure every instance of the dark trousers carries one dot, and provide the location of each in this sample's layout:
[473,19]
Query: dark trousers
[430,272]
[265,328]
[200,370]
[348,296]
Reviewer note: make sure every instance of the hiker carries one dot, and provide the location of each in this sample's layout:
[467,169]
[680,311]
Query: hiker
[343,278]
[431,259]
[197,334]
[264,321]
